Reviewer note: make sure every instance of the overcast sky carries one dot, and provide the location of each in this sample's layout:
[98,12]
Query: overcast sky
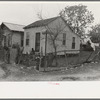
[26,12]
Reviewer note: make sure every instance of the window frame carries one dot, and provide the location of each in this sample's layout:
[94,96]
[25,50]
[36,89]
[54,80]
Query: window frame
[37,41]
[64,39]
[27,39]
[73,42]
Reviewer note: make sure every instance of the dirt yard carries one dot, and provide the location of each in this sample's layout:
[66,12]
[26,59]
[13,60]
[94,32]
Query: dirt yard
[64,72]
[86,72]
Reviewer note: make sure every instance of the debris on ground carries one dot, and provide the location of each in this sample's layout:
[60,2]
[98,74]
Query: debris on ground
[2,72]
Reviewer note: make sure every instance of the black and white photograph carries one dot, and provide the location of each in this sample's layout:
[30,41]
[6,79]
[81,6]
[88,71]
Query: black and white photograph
[49,41]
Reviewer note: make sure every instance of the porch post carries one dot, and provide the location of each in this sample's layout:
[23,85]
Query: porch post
[45,51]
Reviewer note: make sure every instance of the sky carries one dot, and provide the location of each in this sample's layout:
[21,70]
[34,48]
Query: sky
[25,13]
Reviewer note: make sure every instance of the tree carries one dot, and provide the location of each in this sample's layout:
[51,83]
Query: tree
[78,17]
[53,34]
[1,36]
[53,38]
[95,33]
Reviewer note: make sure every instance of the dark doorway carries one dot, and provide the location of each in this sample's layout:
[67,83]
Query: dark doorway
[37,42]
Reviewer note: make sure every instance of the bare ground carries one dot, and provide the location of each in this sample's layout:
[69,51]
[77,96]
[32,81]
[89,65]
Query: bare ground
[86,72]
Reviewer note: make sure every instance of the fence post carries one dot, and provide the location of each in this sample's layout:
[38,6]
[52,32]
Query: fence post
[66,58]
[40,59]
[78,57]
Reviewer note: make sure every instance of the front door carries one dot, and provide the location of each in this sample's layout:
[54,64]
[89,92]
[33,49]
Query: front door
[37,42]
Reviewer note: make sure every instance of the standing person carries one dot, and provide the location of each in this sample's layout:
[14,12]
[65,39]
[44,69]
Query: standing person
[8,55]
[42,61]
[27,59]
[33,51]
[18,55]
[32,54]
[37,62]
[5,54]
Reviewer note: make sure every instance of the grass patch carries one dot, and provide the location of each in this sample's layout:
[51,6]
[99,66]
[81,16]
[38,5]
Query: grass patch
[77,59]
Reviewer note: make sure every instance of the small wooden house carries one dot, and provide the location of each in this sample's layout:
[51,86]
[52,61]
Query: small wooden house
[12,34]
[35,37]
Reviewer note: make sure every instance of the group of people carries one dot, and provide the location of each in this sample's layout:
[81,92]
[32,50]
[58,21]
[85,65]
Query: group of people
[7,54]
[33,56]
[37,57]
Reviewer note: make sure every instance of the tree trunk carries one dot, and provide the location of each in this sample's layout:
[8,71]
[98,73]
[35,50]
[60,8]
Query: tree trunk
[55,51]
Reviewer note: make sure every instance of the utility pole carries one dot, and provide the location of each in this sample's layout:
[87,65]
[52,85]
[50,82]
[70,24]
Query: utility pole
[45,50]
[40,59]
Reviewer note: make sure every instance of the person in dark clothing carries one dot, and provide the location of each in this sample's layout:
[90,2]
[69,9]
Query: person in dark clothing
[8,55]
[33,51]
[42,61]
[37,62]
[18,55]
[27,60]
[32,54]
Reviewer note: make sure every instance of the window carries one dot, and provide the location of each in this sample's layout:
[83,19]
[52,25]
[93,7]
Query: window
[73,43]
[64,39]
[37,42]
[27,39]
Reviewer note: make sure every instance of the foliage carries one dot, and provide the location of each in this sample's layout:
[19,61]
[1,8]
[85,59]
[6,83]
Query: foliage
[53,35]
[1,35]
[95,33]
[78,17]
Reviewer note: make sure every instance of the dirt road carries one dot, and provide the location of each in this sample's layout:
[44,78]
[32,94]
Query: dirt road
[86,72]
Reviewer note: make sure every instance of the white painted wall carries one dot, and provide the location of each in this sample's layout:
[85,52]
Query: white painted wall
[32,32]
[59,24]
[54,26]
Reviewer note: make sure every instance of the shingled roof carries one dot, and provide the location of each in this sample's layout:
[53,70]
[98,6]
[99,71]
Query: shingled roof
[40,23]
[14,27]
[46,22]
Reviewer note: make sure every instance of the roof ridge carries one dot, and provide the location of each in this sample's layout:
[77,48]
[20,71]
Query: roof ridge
[13,23]
[43,20]
[49,18]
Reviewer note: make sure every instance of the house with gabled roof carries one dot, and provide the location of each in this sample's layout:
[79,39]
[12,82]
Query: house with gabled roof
[37,36]
[13,34]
